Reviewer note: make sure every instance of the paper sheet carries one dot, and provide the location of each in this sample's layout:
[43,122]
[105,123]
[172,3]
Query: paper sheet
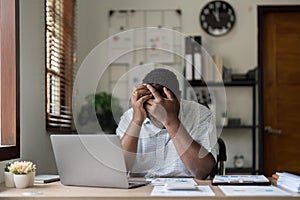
[240,179]
[160,42]
[203,190]
[253,191]
[120,46]
[163,181]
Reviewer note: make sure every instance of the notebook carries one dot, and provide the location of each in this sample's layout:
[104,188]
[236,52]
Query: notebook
[46,178]
[91,160]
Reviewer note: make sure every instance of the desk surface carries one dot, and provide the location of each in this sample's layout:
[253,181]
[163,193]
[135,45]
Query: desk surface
[58,191]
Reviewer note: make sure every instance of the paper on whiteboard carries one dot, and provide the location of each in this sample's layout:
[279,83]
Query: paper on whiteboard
[118,47]
[160,44]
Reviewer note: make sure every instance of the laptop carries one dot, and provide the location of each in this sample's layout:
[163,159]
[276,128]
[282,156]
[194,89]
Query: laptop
[91,160]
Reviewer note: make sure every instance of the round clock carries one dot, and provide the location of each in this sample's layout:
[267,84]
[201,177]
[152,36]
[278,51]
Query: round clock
[239,161]
[217,18]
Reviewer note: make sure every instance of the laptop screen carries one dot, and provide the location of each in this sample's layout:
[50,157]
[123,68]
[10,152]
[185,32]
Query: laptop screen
[90,160]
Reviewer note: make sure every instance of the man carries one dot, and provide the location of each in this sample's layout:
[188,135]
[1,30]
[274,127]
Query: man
[164,136]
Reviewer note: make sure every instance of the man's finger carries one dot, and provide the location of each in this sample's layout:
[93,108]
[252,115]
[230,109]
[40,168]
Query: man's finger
[139,91]
[145,98]
[141,87]
[168,93]
[150,101]
[154,92]
[135,95]
[147,106]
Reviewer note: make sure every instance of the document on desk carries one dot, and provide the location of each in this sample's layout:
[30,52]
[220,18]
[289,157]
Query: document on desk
[240,180]
[253,191]
[164,181]
[200,190]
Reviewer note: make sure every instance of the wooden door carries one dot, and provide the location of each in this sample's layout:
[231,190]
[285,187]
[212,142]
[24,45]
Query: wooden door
[280,58]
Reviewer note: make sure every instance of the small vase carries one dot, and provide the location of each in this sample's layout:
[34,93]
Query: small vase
[21,180]
[31,179]
[9,179]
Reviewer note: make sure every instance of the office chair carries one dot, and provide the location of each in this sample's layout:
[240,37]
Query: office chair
[219,168]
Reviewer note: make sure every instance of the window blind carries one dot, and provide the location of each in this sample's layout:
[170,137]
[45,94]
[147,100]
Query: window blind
[60,51]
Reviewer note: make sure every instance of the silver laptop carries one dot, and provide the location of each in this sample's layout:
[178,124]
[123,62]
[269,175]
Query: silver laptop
[91,160]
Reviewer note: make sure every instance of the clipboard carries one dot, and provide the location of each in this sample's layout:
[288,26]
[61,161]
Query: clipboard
[240,180]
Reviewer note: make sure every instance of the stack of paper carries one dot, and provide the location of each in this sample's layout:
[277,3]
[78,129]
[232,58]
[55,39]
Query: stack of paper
[164,181]
[200,190]
[179,187]
[289,181]
[240,180]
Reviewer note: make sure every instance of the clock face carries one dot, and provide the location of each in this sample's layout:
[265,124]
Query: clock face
[217,18]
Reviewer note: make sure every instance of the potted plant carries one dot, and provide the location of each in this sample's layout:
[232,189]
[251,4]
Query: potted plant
[107,109]
[7,165]
[8,176]
[23,173]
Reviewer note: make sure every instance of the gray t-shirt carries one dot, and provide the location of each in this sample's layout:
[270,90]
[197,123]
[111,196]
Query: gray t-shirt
[156,155]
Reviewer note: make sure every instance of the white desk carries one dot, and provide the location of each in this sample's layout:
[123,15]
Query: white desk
[58,191]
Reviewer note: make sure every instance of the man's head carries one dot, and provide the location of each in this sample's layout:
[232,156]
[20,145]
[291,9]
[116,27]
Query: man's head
[163,77]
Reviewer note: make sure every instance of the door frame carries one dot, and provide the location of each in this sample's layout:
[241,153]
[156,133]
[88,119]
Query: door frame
[262,11]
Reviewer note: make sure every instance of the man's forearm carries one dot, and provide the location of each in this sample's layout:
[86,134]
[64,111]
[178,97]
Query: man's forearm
[198,160]
[195,157]
[129,144]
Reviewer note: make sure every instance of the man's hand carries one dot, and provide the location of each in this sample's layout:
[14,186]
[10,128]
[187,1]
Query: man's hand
[140,95]
[166,109]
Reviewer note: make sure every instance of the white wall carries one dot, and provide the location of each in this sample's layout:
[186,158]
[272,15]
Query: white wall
[35,142]
[239,49]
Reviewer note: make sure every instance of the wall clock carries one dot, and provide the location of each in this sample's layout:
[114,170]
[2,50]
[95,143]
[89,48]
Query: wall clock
[217,18]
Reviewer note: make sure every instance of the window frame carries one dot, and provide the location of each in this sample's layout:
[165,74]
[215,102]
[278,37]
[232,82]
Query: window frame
[12,151]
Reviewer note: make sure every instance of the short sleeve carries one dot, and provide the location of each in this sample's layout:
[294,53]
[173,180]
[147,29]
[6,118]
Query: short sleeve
[204,132]
[124,123]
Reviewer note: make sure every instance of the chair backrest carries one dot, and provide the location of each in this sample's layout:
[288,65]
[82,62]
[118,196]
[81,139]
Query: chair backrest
[219,168]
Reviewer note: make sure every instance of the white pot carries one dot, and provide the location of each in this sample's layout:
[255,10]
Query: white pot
[31,179]
[21,180]
[9,179]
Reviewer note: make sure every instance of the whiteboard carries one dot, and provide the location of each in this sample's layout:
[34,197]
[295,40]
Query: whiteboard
[122,20]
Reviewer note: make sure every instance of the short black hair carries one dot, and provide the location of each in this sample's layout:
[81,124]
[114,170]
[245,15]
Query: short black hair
[165,78]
